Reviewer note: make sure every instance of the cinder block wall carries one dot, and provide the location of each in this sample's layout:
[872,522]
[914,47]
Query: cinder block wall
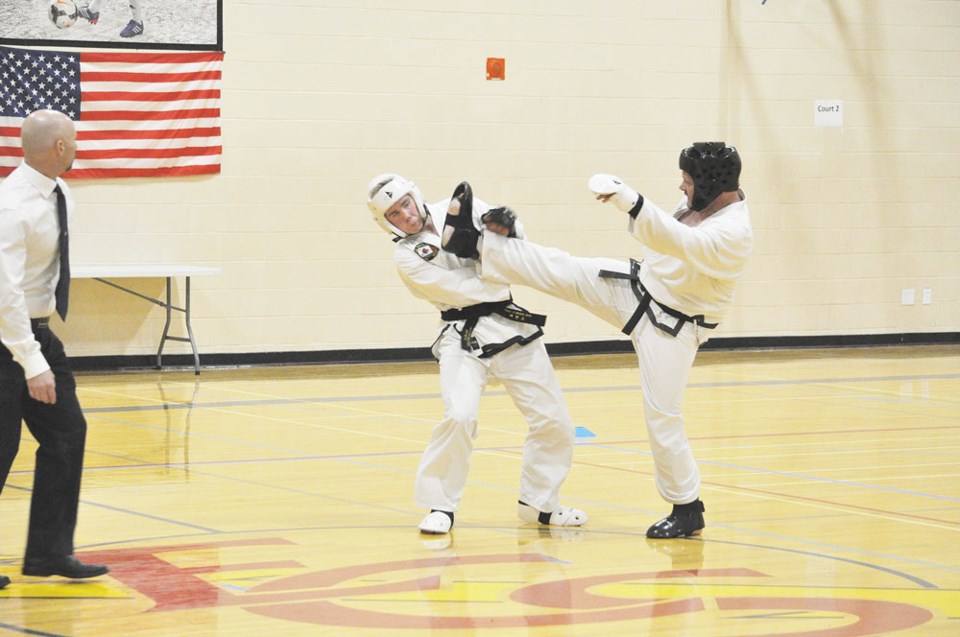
[319,97]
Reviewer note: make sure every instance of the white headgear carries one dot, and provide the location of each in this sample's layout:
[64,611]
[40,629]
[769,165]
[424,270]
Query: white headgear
[387,189]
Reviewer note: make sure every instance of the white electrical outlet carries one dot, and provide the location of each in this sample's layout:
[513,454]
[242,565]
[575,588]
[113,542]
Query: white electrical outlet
[907,296]
[927,296]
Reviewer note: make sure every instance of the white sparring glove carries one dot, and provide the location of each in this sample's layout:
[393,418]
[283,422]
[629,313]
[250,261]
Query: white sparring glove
[611,188]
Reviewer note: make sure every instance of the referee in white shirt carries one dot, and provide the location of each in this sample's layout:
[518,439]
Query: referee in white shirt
[36,383]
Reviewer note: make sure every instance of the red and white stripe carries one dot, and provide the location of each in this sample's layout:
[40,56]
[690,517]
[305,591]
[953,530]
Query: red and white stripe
[141,115]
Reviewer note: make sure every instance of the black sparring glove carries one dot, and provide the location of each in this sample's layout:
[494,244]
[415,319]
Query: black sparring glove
[502,216]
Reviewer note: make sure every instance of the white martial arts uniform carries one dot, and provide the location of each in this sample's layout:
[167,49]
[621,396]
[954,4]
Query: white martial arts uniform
[500,348]
[688,270]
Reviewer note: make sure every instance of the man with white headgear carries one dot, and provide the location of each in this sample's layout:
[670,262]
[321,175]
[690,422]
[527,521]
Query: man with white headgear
[669,302]
[483,335]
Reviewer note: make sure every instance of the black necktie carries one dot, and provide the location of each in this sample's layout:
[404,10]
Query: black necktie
[62,294]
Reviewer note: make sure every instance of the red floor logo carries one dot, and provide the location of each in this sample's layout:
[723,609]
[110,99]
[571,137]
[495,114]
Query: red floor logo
[335,596]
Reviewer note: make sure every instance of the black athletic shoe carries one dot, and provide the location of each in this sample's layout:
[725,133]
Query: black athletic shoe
[683,521]
[459,235]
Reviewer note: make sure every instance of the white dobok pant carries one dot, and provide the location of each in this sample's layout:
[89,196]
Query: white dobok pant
[665,361]
[529,379]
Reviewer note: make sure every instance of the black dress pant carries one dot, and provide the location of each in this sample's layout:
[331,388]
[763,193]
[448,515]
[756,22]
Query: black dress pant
[61,432]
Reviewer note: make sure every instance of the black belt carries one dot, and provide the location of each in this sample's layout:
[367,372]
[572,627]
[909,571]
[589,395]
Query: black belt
[645,301]
[40,324]
[507,309]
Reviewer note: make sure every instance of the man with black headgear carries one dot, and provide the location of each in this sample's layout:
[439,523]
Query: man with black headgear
[669,302]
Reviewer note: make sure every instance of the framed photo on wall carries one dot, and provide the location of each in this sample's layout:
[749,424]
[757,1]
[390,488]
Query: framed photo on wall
[195,25]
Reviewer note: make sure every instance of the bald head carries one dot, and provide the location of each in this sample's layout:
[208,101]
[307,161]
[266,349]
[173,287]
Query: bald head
[49,142]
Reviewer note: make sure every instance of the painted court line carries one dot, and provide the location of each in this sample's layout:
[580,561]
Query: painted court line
[615,388]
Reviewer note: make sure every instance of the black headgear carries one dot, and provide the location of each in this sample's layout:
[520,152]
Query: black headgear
[714,167]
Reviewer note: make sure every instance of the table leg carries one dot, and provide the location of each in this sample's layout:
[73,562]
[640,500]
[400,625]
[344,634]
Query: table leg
[193,343]
[168,306]
[166,327]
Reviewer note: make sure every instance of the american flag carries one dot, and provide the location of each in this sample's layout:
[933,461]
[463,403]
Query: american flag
[137,114]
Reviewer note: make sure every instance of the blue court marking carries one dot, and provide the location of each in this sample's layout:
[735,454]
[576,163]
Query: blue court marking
[825,556]
[829,381]
[357,457]
[258,446]
[28,631]
[845,483]
[787,474]
[612,388]
[835,547]
[126,511]
[207,530]
[835,558]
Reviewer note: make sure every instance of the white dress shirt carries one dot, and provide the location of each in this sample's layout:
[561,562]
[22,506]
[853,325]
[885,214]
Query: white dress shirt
[29,260]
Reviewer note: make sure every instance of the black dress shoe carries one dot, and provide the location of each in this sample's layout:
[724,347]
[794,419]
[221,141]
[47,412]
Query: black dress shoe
[4,582]
[685,520]
[66,566]
[459,235]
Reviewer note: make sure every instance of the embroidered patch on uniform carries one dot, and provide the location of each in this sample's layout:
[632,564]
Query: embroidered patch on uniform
[426,251]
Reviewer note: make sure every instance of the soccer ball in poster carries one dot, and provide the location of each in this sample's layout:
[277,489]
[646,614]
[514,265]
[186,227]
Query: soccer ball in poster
[63,13]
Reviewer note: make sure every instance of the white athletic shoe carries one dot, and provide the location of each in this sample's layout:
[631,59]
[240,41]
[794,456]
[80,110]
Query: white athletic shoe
[623,196]
[564,516]
[436,523]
